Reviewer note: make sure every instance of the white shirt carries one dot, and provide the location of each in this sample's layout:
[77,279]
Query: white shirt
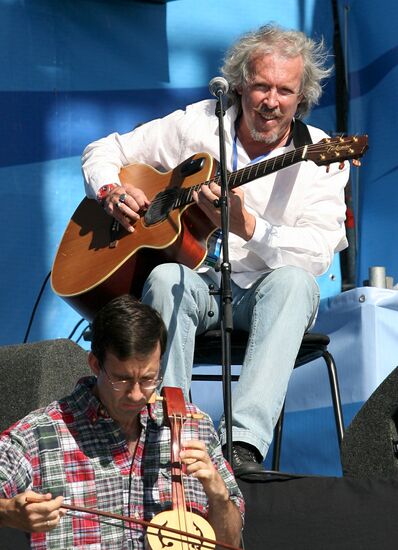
[300,210]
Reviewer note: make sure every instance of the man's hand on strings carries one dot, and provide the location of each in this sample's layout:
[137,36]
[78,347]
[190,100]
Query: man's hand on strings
[126,203]
[39,516]
[241,222]
[198,464]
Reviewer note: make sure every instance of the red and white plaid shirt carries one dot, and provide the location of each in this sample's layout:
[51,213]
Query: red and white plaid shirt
[72,448]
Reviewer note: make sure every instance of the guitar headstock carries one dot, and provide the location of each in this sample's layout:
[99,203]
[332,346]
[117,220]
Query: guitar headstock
[337,149]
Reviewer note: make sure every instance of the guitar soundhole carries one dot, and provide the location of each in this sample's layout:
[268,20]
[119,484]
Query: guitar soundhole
[162,205]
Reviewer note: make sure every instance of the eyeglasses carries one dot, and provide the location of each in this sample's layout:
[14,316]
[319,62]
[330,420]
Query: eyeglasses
[123,385]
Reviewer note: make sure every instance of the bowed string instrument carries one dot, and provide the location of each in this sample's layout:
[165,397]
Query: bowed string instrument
[178,528]
[179,517]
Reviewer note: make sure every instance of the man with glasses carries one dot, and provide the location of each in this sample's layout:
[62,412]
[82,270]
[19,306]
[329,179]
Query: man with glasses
[106,446]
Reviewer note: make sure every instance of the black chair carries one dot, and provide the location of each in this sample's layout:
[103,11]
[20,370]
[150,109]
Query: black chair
[313,346]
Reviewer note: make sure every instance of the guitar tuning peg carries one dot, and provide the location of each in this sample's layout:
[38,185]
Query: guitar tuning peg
[356,162]
[196,416]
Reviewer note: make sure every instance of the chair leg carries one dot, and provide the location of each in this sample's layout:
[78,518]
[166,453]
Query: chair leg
[334,388]
[276,453]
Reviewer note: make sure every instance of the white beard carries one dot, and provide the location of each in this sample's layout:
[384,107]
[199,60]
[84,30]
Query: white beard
[268,139]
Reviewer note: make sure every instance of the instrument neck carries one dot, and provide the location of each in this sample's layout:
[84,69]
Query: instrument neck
[177,485]
[175,414]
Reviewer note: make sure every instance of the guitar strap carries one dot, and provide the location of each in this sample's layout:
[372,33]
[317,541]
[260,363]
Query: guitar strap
[301,134]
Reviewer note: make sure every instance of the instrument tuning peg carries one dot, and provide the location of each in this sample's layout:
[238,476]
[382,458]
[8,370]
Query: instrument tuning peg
[154,397]
[197,416]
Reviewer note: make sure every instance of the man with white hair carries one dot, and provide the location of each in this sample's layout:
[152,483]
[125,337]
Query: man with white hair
[284,228]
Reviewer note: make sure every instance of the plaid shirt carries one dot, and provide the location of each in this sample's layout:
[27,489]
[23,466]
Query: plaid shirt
[73,448]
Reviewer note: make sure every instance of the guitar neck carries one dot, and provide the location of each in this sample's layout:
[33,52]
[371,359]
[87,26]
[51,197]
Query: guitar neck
[323,153]
[265,167]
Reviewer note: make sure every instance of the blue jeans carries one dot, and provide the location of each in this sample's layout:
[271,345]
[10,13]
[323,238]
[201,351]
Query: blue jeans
[276,311]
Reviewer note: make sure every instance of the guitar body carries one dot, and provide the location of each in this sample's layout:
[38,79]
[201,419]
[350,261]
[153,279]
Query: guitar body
[88,271]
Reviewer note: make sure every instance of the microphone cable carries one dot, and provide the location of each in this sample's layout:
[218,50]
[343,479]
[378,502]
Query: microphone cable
[75,329]
[36,305]
[32,316]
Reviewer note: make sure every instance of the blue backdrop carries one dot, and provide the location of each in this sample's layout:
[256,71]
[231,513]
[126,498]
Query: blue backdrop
[372,52]
[73,72]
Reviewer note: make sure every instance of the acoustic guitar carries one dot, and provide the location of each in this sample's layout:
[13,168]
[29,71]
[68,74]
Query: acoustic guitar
[97,259]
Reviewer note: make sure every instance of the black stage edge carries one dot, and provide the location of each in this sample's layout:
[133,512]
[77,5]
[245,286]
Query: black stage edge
[311,513]
[321,513]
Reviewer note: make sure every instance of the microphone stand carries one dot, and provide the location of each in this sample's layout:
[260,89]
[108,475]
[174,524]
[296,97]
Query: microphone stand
[225,290]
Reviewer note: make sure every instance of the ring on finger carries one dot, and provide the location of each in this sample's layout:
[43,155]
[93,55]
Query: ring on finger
[122,197]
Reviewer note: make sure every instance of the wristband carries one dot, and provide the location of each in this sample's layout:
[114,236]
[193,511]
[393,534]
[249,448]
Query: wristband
[103,192]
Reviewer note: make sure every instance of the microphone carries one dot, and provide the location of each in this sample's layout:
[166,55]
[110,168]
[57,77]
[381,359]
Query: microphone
[218,86]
